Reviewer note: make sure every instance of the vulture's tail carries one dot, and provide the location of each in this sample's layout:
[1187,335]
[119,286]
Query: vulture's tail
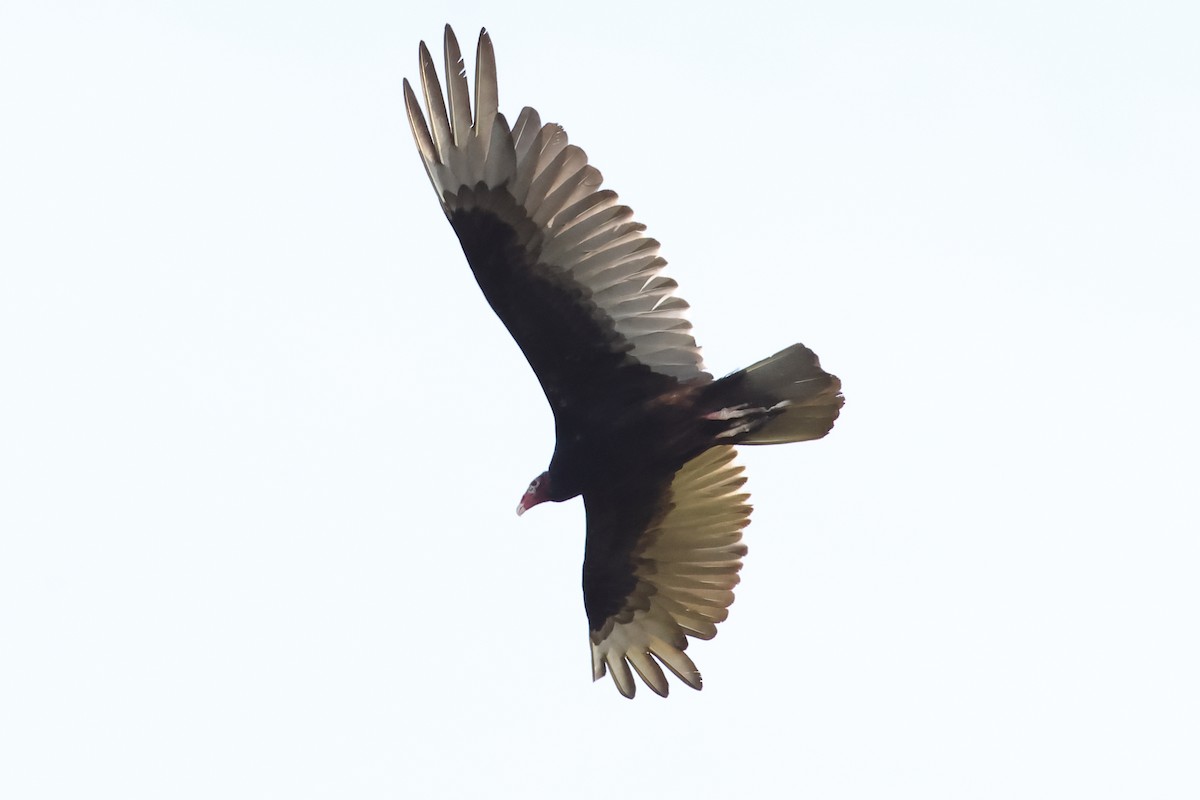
[784,398]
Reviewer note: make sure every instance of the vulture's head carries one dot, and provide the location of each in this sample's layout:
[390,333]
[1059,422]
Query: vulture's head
[538,492]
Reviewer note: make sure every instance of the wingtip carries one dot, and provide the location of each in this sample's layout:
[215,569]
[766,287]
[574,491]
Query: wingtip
[450,40]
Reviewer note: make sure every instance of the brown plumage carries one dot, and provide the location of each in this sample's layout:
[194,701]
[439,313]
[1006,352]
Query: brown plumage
[644,433]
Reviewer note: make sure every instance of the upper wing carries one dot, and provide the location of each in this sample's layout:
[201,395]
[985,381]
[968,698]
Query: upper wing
[661,562]
[565,267]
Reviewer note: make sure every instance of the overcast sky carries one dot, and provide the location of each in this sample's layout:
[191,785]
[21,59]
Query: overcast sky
[261,437]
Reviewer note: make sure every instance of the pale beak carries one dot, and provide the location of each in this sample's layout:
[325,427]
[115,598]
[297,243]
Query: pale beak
[521,507]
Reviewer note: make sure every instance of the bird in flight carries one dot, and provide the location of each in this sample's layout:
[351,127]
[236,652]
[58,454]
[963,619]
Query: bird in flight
[643,432]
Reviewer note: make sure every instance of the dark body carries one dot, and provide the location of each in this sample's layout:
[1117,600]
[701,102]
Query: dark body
[622,430]
[615,419]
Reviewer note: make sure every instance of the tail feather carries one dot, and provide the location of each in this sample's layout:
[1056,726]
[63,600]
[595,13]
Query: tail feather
[801,399]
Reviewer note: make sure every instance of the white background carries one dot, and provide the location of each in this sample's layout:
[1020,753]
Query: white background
[261,438]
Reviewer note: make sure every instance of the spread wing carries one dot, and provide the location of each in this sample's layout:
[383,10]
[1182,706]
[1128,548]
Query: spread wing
[661,562]
[561,261]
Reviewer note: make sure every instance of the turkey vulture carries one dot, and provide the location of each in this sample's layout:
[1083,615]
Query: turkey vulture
[644,433]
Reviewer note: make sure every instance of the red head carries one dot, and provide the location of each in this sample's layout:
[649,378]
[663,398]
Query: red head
[538,492]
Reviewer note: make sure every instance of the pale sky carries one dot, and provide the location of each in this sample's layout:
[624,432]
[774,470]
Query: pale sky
[261,437]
